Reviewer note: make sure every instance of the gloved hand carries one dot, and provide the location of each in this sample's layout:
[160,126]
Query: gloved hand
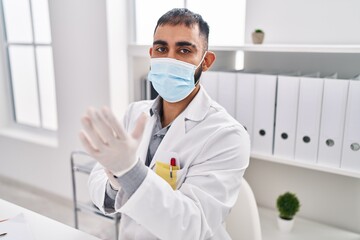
[105,139]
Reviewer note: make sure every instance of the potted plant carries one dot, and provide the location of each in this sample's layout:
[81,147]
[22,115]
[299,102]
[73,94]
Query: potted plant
[258,36]
[288,205]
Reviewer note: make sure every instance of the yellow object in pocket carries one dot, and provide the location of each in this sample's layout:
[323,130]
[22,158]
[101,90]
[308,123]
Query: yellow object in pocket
[163,170]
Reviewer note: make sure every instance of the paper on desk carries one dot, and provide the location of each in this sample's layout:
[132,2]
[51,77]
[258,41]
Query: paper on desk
[16,228]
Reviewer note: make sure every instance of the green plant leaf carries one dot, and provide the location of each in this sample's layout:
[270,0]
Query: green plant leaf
[288,205]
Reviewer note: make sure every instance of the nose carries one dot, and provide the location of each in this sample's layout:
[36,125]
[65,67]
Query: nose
[171,54]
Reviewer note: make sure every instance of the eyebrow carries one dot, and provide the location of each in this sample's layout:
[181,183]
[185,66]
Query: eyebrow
[185,43]
[179,44]
[160,42]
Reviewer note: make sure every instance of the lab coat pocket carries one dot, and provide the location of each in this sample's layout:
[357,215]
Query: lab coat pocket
[167,172]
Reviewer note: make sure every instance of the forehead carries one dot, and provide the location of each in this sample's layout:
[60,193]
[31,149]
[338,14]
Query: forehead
[178,33]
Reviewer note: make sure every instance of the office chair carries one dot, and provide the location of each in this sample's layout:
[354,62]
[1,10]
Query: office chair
[85,166]
[243,222]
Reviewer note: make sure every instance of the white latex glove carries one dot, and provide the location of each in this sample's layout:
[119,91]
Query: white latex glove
[105,139]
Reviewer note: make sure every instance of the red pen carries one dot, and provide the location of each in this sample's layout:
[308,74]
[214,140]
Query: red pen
[172,164]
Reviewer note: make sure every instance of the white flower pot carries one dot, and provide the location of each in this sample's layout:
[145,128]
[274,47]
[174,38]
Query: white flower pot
[285,225]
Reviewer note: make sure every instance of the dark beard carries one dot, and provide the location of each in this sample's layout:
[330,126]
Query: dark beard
[197,75]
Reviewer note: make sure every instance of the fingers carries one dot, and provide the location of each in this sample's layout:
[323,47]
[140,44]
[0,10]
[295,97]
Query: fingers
[87,145]
[91,134]
[101,126]
[140,126]
[113,122]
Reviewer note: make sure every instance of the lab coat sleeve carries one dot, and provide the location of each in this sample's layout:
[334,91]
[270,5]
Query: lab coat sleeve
[97,183]
[201,205]
[97,187]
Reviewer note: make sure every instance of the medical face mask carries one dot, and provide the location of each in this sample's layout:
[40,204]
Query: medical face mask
[172,79]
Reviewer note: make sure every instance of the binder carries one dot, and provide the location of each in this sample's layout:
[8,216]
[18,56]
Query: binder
[286,116]
[351,148]
[227,91]
[332,122]
[209,80]
[264,110]
[308,121]
[245,91]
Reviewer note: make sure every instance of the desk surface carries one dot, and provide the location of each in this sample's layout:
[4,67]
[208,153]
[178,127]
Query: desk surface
[43,228]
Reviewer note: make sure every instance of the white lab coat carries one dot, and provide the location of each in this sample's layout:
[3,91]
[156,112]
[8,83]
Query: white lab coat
[213,151]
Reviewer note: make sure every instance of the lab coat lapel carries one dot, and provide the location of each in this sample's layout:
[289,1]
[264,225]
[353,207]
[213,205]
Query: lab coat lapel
[190,117]
[176,131]
[144,144]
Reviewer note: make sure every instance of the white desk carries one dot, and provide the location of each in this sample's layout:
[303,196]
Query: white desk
[303,229]
[42,228]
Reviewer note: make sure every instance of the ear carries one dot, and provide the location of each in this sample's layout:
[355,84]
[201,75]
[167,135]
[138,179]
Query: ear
[208,60]
[150,51]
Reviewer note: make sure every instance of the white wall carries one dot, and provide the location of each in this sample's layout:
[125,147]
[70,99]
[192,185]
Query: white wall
[82,79]
[304,21]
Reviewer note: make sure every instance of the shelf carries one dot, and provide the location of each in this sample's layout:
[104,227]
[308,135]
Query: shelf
[295,48]
[312,166]
[303,229]
[302,48]
[143,50]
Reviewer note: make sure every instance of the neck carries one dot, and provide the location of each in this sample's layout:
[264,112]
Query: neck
[172,110]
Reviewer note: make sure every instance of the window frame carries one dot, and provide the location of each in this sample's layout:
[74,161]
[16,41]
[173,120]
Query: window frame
[5,59]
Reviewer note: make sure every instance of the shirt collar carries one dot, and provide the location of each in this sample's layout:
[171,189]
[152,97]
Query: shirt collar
[156,107]
[195,111]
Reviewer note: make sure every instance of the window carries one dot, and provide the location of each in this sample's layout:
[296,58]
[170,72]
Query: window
[29,59]
[226,19]
[146,19]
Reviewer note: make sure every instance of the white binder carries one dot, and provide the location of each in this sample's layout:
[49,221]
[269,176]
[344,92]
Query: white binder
[332,122]
[209,80]
[286,116]
[227,91]
[308,123]
[245,100]
[264,107]
[351,148]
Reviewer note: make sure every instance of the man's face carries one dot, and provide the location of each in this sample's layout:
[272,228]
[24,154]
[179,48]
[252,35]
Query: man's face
[179,42]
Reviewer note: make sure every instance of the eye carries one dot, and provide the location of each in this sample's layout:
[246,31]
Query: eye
[184,51]
[160,49]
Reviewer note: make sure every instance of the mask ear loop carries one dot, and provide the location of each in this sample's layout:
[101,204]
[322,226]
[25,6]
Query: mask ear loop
[202,59]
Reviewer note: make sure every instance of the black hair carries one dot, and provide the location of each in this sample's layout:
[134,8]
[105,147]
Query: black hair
[184,16]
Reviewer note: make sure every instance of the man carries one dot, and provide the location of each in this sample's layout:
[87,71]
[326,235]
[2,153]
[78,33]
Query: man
[174,168]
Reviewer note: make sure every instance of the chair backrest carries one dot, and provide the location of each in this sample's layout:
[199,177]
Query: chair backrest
[243,222]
